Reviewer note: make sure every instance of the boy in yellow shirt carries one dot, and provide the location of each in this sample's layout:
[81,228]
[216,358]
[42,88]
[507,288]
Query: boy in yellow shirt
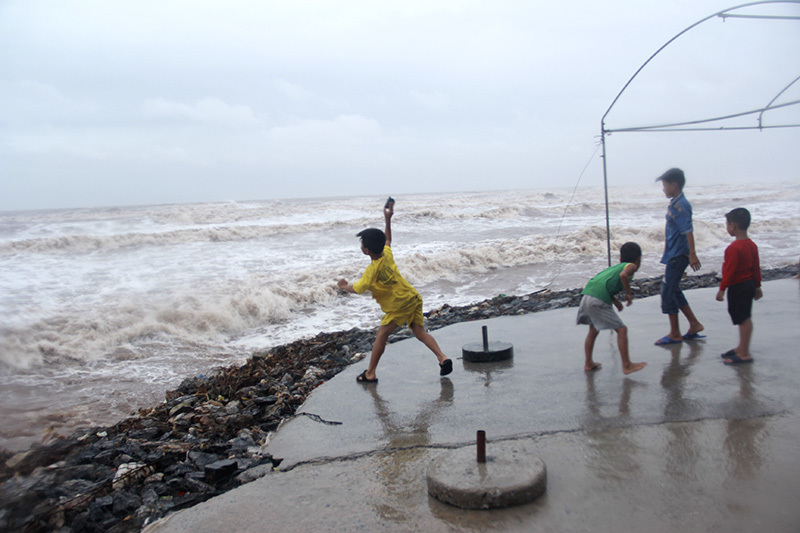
[400,302]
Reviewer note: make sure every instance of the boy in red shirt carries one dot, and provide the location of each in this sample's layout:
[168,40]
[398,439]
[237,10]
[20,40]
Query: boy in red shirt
[741,276]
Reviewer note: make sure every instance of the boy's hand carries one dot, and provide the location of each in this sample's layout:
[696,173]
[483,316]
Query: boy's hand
[721,295]
[694,262]
[388,211]
[759,294]
[629,299]
[617,304]
[346,287]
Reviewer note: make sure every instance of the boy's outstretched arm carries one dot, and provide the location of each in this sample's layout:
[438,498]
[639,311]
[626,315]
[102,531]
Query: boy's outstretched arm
[346,286]
[387,215]
[625,278]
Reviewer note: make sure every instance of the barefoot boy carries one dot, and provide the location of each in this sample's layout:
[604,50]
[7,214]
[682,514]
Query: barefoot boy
[678,254]
[596,310]
[741,276]
[399,301]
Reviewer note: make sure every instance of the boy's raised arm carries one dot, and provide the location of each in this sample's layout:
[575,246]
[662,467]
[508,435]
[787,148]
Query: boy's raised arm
[388,211]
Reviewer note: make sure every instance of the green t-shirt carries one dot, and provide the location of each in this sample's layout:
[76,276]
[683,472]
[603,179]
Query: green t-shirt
[606,284]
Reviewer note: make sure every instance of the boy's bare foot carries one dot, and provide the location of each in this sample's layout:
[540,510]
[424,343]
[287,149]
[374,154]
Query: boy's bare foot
[633,367]
[695,330]
[593,366]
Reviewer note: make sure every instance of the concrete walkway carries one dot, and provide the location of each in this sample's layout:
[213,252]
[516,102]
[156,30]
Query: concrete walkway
[686,444]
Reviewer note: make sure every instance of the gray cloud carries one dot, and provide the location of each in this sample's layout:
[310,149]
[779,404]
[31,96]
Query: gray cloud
[176,101]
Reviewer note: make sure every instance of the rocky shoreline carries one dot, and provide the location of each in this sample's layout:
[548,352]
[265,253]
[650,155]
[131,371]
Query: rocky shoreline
[211,433]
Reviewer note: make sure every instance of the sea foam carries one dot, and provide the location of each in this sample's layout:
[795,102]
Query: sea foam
[147,295]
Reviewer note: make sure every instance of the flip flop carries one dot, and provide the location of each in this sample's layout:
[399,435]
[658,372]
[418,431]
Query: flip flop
[446,367]
[692,336]
[728,354]
[362,378]
[666,340]
[736,360]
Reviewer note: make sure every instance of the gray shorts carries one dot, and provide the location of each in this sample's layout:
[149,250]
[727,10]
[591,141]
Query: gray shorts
[595,312]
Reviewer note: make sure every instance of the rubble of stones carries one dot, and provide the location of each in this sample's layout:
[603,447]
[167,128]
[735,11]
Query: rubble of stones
[207,437]
[210,434]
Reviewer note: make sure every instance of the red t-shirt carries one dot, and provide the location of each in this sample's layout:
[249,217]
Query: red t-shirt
[741,264]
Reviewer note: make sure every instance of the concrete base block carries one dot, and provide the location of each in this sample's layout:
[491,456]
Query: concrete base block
[496,351]
[510,476]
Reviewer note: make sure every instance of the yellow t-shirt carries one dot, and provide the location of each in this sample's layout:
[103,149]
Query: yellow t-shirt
[388,287]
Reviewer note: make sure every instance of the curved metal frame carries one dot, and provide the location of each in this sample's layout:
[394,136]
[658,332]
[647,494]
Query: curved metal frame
[675,126]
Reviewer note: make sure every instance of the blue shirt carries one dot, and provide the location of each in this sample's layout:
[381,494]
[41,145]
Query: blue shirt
[679,223]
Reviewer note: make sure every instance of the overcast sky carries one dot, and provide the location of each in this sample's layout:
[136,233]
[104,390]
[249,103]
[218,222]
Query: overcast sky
[138,102]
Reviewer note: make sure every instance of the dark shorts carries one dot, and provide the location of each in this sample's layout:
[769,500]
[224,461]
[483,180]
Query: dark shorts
[740,301]
[672,298]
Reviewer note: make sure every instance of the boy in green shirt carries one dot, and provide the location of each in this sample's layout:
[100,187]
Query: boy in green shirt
[596,311]
[398,299]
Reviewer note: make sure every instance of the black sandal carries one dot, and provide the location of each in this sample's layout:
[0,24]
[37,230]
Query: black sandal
[362,378]
[446,367]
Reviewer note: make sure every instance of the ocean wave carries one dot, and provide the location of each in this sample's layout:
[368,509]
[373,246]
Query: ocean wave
[492,238]
[132,327]
[219,308]
[92,243]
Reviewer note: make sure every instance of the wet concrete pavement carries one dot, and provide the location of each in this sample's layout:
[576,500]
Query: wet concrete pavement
[685,443]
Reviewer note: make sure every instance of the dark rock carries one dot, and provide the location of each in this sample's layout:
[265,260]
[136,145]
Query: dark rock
[201,459]
[191,483]
[220,470]
[100,508]
[149,495]
[125,502]
[149,433]
[265,400]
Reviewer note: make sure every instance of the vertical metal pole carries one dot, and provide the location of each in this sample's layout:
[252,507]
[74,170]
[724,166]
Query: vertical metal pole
[485,330]
[605,188]
[481,446]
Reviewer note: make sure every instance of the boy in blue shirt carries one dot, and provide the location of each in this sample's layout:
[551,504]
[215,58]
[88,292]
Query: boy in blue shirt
[596,311]
[678,254]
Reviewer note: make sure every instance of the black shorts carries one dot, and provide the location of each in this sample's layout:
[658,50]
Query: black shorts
[740,301]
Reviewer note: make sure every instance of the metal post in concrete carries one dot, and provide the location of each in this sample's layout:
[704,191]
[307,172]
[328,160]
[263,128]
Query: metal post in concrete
[510,476]
[487,352]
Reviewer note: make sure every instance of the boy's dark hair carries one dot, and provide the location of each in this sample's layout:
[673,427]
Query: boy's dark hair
[673,175]
[739,216]
[373,240]
[629,252]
